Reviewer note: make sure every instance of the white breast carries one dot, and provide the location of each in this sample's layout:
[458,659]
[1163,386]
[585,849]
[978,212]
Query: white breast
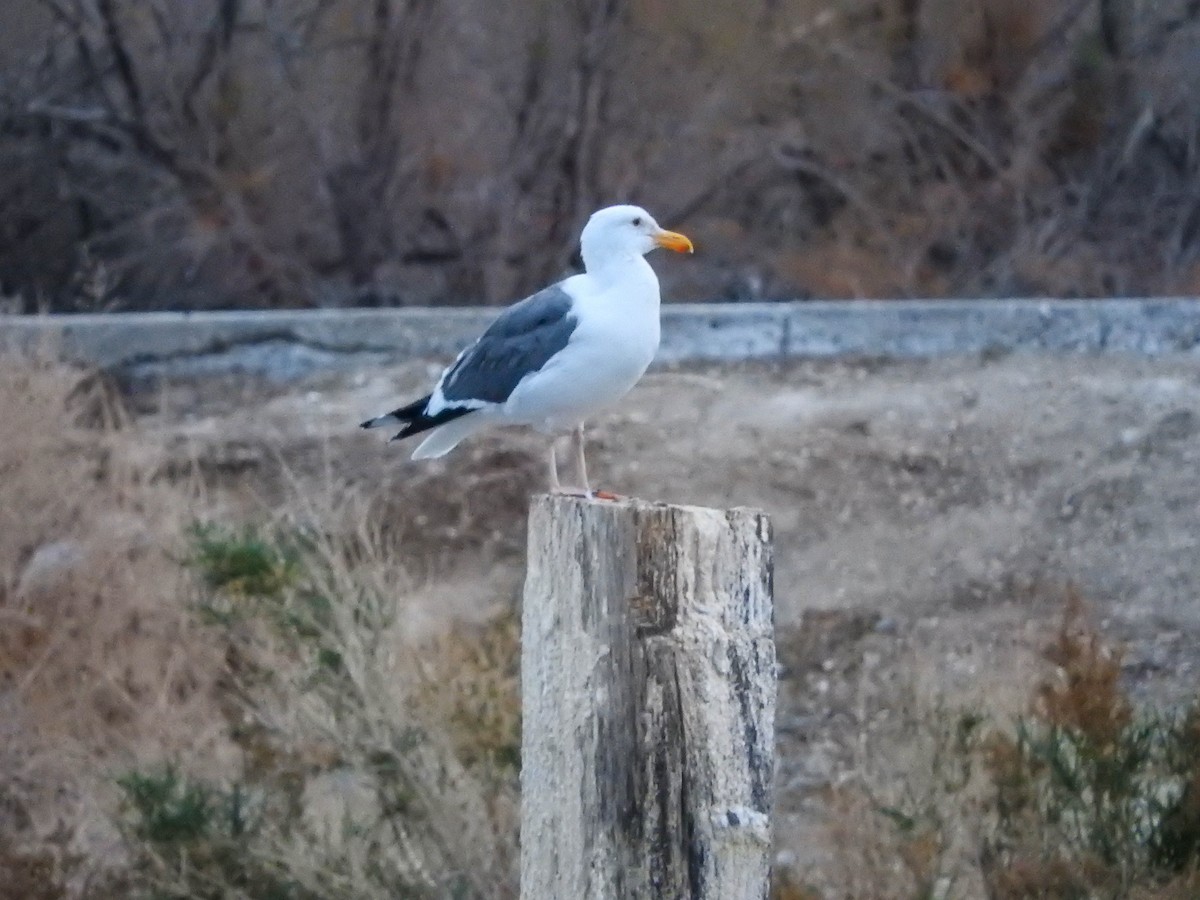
[613,344]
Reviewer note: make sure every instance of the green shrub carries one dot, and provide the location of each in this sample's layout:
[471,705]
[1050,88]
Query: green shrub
[1087,797]
[242,562]
[1092,794]
[366,773]
[191,839]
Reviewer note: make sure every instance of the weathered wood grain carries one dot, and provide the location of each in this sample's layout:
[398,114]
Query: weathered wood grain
[648,683]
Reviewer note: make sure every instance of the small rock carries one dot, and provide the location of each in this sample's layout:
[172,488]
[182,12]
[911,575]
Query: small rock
[1176,426]
[336,802]
[887,625]
[48,563]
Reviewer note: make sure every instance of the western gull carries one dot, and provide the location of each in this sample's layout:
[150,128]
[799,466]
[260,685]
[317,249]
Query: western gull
[557,357]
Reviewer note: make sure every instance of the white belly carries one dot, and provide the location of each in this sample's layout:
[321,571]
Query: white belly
[601,364]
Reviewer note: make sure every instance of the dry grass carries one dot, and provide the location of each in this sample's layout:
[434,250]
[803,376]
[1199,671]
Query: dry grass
[246,710]
[227,710]
[98,664]
[336,707]
[1084,798]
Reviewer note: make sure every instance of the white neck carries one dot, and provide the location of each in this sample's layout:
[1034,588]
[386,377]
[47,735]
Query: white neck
[630,268]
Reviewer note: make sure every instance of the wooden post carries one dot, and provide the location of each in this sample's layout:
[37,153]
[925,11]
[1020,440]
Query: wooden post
[648,686]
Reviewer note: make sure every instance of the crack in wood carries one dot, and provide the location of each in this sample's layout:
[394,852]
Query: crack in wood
[648,685]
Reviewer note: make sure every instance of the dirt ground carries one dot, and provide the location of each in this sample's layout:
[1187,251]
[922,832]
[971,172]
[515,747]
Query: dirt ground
[929,517]
[910,489]
[929,520]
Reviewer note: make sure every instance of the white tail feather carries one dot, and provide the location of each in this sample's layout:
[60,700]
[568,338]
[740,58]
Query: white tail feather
[387,420]
[445,438]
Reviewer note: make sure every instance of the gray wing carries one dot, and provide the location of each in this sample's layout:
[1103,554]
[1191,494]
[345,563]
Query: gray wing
[520,341]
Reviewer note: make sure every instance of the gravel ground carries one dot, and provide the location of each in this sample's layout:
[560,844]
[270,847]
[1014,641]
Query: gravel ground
[930,516]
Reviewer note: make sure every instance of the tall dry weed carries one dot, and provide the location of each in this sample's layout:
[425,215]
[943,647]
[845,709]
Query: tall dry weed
[98,666]
[1087,797]
[1085,694]
[383,764]
[229,709]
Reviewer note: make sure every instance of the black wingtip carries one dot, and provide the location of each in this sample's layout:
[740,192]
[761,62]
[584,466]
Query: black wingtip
[366,424]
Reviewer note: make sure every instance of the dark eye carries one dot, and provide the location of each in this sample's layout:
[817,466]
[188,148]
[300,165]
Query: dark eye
[637,220]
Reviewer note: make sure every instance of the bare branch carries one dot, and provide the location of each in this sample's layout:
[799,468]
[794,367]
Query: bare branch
[1167,30]
[62,13]
[796,161]
[82,115]
[706,195]
[217,39]
[907,100]
[126,70]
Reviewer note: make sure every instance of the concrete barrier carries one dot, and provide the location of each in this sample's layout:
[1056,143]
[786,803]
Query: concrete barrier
[284,345]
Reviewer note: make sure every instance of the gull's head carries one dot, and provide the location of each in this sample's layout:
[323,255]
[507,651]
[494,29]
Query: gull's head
[621,232]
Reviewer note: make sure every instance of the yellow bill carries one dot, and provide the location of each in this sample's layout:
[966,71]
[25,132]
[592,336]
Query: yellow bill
[673,241]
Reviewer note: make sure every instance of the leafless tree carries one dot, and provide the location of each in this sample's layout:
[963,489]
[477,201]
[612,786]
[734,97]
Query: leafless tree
[284,152]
